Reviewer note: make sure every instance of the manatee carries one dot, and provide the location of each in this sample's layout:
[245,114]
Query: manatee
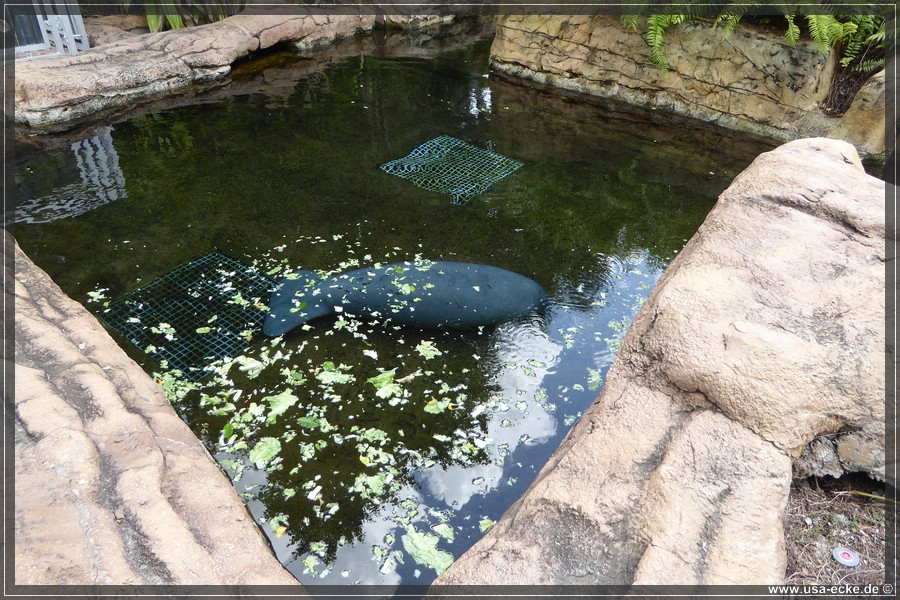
[425,294]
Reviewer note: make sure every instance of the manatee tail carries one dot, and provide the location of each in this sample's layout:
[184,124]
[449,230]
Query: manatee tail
[294,302]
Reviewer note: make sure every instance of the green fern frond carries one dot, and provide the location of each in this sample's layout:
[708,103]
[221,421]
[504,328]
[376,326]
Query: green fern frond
[793,31]
[869,66]
[656,30]
[877,38]
[851,51]
[630,22]
[818,31]
[659,60]
[728,23]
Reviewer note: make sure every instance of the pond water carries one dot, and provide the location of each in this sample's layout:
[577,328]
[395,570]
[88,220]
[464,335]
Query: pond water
[380,452]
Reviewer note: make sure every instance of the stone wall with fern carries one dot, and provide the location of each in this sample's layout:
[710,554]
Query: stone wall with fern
[751,79]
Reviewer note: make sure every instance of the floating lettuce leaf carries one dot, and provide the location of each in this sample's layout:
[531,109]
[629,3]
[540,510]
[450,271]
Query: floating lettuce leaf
[293,377]
[434,406]
[370,486]
[251,366]
[595,380]
[373,434]
[264,451]
[428,350]
[385,387]
[485,524]
[279,403]
[309,422]
[422,547]
[310,563]
[444,530]
[223,410]
[330,374]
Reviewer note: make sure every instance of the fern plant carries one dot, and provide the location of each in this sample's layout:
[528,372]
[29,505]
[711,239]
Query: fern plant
[851,35]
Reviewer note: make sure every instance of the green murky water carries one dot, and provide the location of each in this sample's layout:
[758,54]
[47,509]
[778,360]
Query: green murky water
[369,452]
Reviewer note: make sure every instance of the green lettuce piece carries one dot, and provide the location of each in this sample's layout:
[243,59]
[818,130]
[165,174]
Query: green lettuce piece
[595,380]
[330,374]
[385,387]
[279,403]
[264,451]
[309,422]
[428,350]
[251,366]
[434,406]
[422,547]
[444,530]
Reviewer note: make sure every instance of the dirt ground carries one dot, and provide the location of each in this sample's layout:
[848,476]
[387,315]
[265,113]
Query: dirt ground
[824,513]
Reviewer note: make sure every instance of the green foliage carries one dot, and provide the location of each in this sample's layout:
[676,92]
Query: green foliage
[630,22]
[177,15]
[159,15]
[728,23]
[850,35]
[655,35]
[869,33]
[793,31]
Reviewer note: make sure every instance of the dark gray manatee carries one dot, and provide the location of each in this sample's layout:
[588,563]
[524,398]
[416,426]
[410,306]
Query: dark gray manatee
[427,294]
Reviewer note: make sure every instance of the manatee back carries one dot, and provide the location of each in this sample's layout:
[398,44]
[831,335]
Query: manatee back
[442,294]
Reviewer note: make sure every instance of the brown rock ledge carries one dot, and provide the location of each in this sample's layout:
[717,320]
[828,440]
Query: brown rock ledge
[55,93]
[111,486]
[753,81]
[764,334]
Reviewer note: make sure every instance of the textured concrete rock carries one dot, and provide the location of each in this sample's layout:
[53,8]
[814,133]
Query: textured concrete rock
[765,335]
[109,29]
[751,81]
[111,486]
[863,124]
[56,93]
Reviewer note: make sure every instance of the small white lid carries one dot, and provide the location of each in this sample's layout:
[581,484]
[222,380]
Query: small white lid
[845,556]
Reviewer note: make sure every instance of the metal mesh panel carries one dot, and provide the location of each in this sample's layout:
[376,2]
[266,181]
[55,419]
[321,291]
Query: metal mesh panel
[451,166]
[195,314]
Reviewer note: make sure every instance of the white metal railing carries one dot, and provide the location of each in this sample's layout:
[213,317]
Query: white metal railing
[59,25]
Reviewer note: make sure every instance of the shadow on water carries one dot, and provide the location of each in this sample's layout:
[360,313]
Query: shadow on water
[370,452]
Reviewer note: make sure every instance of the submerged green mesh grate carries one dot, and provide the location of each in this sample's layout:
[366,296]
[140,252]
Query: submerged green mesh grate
[195,314]
[450,166]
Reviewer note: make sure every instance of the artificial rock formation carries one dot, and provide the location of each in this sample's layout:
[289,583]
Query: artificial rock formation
[53,94]
[764,337]
[124,69]
[111,486]
[863,125]
[751,81]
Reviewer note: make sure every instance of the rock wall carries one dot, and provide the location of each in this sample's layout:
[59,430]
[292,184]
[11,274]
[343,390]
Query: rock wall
[764,336]
[751,81]
[111,486]
[55,93]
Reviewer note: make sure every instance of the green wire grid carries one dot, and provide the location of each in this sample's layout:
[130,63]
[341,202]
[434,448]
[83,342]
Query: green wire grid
[195,314]
[448,165]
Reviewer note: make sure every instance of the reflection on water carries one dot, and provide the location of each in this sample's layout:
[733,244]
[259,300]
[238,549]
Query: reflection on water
[100,181]
[524,354]
[380,453]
